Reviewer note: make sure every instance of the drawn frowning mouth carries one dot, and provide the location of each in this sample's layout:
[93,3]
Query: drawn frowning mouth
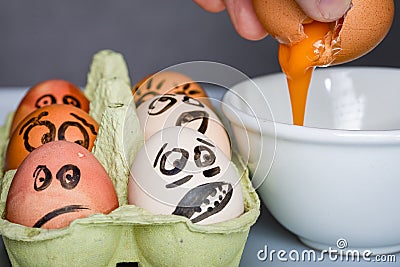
[52,214]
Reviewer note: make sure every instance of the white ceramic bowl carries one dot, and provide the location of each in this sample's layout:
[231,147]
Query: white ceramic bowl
[339,176]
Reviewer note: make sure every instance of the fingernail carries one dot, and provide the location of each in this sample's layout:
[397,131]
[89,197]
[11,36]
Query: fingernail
[333,9]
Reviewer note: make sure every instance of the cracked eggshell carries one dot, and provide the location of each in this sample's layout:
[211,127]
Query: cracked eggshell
[170,110]
[58,183]
[362,28]
[180,171]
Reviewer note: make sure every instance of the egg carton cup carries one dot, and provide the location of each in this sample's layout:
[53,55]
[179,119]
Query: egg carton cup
[128,234]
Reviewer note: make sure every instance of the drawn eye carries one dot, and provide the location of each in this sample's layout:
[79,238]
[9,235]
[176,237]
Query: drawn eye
[35,127]
[70,100]
[191,101]
[42,177]
[69,176]
[203,156]
[73,126]
[45,100]
[174,161]
[161,104]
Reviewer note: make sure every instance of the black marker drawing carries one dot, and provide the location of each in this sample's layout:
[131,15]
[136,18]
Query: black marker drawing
[189,116]
[45,100]
[85,136]
[42,177]
[51,215]
[159,154]
[71,100]
[87,124]
[204,142]
[34,122]
[192,101]
[212,172]
[156,103]
[179,182]
[69,176]
[204,156]
[51,134]
[177,163]
[204,201]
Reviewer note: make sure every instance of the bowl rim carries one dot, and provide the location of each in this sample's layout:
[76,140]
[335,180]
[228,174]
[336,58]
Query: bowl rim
[291,132]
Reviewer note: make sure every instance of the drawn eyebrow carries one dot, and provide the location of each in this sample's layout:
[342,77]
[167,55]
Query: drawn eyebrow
[159,154]
[204,142]
[149,82]
[160,84]
[212,172]
[90,126]
[42,114]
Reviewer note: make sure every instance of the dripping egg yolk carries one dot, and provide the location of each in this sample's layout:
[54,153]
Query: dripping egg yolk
[299,60]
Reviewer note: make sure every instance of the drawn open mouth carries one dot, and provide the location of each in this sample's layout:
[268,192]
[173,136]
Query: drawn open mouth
[204,201]
[52,214]
[190,116]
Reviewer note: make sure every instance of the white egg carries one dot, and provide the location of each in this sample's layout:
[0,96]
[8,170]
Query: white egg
[170,110]
[180,171]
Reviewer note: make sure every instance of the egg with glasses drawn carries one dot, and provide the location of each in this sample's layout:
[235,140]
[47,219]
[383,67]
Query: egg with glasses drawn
[182,172]
[168,82]
[56,184]
[170,110]
[47,124]
[49,92]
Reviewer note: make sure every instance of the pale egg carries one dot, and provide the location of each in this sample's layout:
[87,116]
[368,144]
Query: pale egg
[182,172]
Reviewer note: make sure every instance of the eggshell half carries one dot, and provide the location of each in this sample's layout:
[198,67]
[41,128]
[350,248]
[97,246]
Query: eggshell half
[58,183]
[362,28]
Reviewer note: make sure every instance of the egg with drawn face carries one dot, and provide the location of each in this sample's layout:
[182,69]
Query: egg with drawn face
[170,110]
[168,82]
[182,172]
[58,183]
[47,124]
[49,92]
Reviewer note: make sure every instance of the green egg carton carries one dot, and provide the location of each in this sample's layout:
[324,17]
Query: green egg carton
[129,234]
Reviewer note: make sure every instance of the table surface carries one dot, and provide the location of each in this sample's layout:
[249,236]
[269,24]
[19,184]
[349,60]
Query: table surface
[267,232]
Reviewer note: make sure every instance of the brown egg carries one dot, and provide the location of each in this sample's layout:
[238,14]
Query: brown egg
[50,123]
[47,93]
[58,183]
[362,28]
[170,82]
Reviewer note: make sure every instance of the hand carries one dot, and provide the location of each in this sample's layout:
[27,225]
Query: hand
[247,25]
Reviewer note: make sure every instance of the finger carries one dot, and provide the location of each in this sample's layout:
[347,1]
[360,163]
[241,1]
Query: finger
[211,5]
[244,19]
[324,10]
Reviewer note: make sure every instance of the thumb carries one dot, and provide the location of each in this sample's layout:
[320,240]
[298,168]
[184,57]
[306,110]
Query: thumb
[324,10]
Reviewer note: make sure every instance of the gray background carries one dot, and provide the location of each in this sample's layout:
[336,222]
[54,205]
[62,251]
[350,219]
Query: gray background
[45,39]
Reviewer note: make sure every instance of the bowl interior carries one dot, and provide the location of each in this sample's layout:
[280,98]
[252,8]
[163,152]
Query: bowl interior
[346,98]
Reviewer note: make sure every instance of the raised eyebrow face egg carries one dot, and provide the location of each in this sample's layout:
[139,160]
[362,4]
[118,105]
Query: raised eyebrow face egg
[47,124]
[50,92]
[58,183]
[182,172]
[170,110]
[168,82]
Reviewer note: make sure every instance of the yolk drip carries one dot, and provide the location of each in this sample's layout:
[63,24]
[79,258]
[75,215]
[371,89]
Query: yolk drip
[298,62]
